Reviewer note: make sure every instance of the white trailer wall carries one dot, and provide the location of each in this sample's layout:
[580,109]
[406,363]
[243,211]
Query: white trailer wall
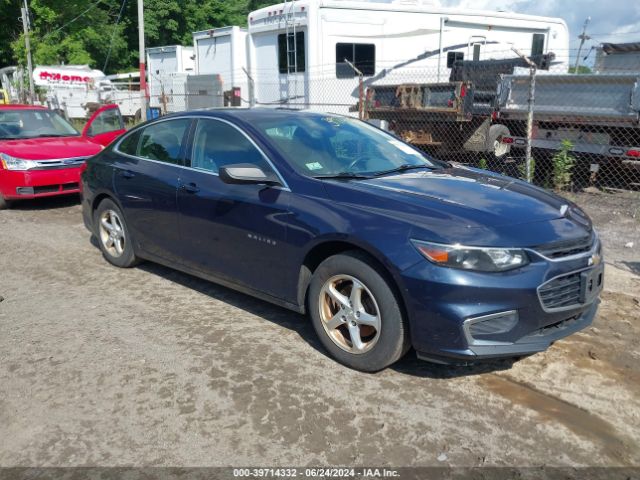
[163,64]
[412,43]
[223,51]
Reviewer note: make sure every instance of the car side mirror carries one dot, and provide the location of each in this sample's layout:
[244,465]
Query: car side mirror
[242,173]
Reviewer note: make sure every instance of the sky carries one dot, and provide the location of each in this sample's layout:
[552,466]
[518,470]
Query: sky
[615,21]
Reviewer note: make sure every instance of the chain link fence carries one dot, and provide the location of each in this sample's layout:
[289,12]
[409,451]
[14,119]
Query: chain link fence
[527,118]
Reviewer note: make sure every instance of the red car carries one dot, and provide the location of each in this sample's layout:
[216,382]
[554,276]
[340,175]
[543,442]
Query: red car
[41,154]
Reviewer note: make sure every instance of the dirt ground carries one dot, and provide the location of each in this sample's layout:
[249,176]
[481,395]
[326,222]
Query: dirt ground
[147,366]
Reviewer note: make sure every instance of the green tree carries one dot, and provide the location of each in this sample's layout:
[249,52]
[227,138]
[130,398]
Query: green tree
[11,30]
[74,32]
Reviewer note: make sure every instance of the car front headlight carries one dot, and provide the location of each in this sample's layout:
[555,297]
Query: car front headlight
[481,259]
[13,163]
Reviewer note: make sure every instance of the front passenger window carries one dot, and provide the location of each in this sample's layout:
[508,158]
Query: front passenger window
[162,141]
[217,144]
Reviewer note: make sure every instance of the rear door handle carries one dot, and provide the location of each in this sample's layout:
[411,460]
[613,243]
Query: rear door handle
[190,187]
[127,174]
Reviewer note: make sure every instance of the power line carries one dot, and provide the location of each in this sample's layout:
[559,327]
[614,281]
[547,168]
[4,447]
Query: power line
[74,19]
[615,34]
[113,34]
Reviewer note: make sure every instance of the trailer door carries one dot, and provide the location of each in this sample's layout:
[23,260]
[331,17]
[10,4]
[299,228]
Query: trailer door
[214,56]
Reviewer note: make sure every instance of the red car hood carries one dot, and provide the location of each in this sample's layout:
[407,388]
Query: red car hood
[46,148]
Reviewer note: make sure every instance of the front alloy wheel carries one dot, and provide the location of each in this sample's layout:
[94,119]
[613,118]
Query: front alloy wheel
[349,314]
[356,312]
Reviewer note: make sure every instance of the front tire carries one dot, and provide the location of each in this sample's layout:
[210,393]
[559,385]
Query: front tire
[356,313]
[4,204]
[113,235]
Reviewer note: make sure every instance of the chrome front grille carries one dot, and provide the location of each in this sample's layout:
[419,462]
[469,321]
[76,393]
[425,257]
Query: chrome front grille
[567,248]
[561,292]
[57,163]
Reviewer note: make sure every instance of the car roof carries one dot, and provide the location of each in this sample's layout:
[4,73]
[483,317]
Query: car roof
[19,106]
[249,114]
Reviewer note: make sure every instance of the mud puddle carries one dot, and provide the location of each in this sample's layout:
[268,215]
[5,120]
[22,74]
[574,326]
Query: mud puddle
[551,409]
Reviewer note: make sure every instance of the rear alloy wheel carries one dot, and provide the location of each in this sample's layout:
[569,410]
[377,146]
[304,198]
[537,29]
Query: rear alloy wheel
[356,313]
[113,235]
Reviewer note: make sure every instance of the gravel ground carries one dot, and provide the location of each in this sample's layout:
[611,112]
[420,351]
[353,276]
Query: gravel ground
[148,366]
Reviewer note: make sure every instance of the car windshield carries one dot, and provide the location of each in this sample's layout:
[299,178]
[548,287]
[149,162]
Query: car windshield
[333,146]
[27,123]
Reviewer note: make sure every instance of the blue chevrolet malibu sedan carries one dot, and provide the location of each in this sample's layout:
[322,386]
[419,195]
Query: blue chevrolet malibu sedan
[384,248]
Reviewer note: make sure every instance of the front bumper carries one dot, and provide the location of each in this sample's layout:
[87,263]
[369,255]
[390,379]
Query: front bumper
[15,185]
[535,342]
[441,303]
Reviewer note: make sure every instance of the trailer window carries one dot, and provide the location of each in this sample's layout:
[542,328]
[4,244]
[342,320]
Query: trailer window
[293,52]
[453,57]
[362,55]
[537,44]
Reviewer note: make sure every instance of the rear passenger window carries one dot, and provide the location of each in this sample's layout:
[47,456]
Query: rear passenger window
[161,141]
[129,144]
[217,144]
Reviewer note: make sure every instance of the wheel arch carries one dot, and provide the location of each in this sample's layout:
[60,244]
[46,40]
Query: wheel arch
[99,197]
[97,200]
[329,247]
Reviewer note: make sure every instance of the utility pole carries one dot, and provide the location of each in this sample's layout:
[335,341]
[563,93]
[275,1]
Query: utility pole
[583,38]
[143,76]
[27,26]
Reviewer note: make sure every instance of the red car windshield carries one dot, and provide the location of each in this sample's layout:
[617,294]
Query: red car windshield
[36,123]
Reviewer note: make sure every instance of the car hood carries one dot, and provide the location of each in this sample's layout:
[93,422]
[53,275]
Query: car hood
[46,148]
[483,197]
[460,204]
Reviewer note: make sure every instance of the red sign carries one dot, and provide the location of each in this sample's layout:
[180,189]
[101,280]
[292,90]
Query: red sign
[60,77]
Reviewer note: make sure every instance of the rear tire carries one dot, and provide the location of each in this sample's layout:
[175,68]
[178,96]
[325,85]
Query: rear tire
[113,235]
[356,313]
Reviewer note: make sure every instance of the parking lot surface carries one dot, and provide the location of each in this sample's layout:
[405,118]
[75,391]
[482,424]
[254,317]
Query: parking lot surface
[148,366]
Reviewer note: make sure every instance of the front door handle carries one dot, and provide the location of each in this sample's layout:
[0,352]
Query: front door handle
[190,187]
[127,174]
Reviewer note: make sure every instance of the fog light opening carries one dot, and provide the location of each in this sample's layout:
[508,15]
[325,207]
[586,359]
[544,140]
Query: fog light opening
[24,190]
[493,324]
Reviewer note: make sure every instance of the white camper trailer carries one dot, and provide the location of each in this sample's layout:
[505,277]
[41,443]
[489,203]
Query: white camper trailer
[223,51]
[300,50]
[167,69]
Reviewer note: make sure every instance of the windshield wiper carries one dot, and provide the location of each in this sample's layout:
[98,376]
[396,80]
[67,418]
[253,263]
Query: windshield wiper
[403,168]
[350,175]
